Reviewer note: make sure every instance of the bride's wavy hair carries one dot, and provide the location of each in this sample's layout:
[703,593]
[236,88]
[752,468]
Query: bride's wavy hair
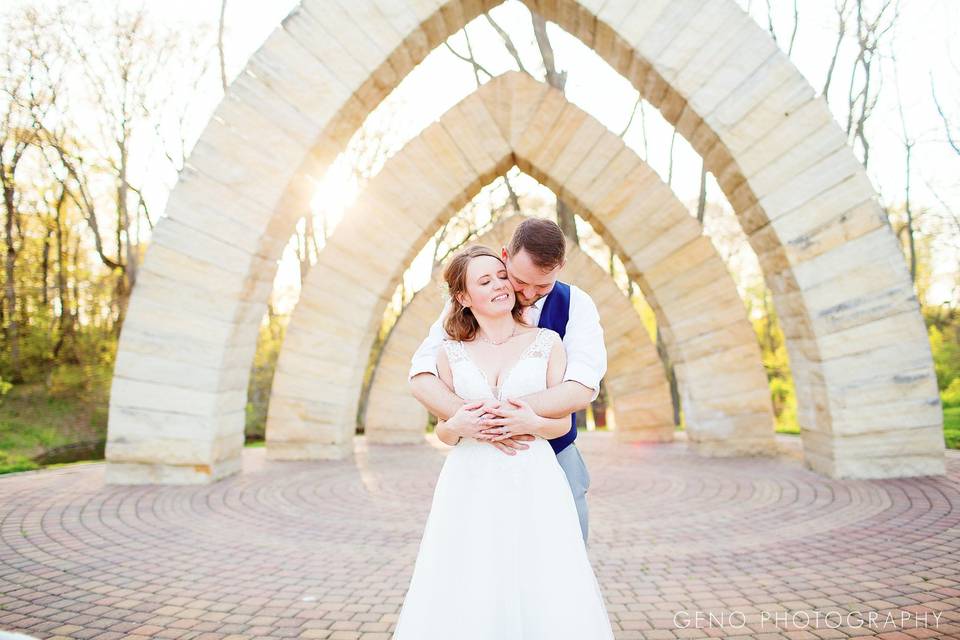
[460,323]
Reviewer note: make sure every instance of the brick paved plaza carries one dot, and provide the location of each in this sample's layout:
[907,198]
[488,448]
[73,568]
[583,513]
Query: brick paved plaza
[325,549]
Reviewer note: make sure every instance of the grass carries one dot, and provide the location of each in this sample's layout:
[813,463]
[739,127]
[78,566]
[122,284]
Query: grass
[34,420]
[951,427]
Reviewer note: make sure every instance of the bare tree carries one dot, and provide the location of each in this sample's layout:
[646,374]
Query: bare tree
[948,126]
[908,144]
[555,78]
[796,25]
[29,82]
[220,54]
[129,63]
[861,100]
[843,9]
[702,197]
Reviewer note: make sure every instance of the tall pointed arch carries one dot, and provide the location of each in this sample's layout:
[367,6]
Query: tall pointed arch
[856,341]
[516,120]
[636,379]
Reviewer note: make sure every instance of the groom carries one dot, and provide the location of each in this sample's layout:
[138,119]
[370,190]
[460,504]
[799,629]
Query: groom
[534,258]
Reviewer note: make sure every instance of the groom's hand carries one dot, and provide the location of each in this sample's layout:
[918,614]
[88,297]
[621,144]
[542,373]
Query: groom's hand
[509,446]
[466,421]
[510,420]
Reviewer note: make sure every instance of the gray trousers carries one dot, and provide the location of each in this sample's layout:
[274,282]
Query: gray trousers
[579,478]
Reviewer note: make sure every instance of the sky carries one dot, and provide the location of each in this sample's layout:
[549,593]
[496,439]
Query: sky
[923,44]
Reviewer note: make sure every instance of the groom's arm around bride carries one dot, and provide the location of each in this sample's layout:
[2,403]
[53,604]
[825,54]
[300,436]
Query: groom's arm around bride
[533,259]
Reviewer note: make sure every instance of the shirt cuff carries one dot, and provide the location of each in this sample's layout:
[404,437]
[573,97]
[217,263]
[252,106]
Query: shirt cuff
[585,376]
[424,365]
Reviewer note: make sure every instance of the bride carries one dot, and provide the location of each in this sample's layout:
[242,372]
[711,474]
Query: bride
[502,555]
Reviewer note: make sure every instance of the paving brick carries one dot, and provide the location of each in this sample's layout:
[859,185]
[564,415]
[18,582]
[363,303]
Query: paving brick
[671,534]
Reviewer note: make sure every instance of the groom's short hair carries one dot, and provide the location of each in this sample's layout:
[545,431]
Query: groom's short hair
[542,239]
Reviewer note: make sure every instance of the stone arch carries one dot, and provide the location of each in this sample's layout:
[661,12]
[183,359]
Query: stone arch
[635,379]
[717,362]
[856,341]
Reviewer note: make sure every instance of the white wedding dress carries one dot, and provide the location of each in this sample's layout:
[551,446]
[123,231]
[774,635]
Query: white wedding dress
[502,555]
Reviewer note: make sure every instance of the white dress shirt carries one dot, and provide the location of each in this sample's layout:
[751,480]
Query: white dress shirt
[583,341]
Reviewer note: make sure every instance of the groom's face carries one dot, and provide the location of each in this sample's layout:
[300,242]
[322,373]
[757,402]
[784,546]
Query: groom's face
[529,281]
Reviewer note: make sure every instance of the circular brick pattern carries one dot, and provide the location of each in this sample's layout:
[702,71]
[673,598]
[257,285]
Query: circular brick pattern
[325,549]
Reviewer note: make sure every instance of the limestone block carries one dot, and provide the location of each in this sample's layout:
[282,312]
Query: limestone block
[660,243]
[761,103]
[727,74]
[456,15]
[845,194]
[447,158]
[236,162]
[202,246]
[364,33]
[870,250]
[243,110]
[560,135]
[470,131]
[848,225]
[687,257]
[626,162]
[301,431]
[168,325]
[301,90]
[524,99]
[731,428]
[188,401]
[227,309]
[902,414]
[632,193]
[682,31]
[405,17]
[658,433]
[422,163]
[348,62]
[749,398]
[163,370]
[876,455]
[719,340]
[385,436]
[391,207]
[309,450]
[684,327]
[204,203]
[352,261]
[712,55]
[862,303]
[139,341]
[583,140]
[733,447]
[690,293]
[320,418]
[632,20]
[543,123]
[134,473]
[160,449]
[804,186]
[858,376]
[643,401]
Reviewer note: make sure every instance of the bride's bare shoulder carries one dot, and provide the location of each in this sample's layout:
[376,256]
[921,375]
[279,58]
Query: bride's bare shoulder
[525,330]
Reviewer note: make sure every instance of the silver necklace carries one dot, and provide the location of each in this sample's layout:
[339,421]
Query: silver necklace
[496,344]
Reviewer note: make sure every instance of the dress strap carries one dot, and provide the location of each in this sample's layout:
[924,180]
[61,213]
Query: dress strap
[541,345]
[455,351]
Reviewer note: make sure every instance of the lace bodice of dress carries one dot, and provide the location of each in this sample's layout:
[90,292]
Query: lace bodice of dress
[528,374]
